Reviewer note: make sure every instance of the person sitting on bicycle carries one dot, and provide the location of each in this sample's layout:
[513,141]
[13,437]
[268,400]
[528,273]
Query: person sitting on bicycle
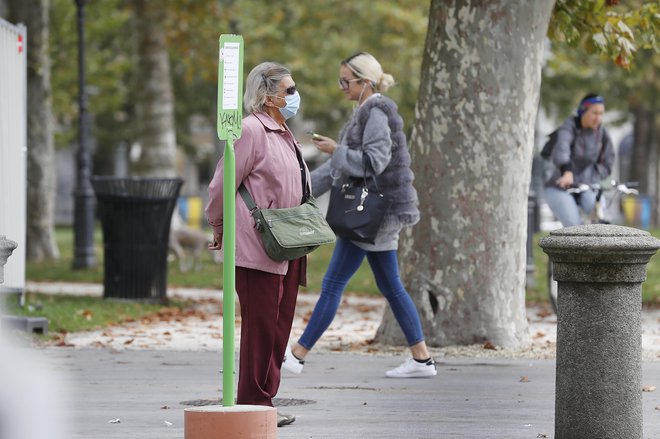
[583,154]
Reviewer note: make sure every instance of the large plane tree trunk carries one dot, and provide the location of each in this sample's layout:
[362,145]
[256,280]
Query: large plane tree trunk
[472,145]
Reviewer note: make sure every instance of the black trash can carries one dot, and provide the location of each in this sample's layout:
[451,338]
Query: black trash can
[135,215]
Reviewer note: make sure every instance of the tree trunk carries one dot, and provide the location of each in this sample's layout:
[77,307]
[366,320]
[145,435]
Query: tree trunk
[41,149]
[155,99]
[652,145]
[643,168]
[472,145]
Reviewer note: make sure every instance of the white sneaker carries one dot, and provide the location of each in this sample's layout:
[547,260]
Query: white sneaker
[413,369]
[291,363]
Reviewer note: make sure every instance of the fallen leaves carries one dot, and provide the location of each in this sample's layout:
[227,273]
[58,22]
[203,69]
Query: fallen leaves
[539,334]
[544,312]
[63,344]
[650,388]
[489,345]
[524,379]
[364,308]
[59,340]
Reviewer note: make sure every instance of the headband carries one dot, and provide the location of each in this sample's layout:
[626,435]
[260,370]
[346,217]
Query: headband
[588,102]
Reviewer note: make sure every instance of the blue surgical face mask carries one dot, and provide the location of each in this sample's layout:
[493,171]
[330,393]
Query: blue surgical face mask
[292,105]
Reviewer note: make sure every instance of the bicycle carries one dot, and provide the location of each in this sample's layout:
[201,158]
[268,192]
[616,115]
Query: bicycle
[599,215]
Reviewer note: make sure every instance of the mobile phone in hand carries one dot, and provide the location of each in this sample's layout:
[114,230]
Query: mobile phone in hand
[314,135]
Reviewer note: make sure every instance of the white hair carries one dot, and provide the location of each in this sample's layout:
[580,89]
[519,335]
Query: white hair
[366,66]
[263,80]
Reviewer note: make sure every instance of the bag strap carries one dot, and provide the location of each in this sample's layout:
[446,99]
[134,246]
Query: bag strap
[303,176]
[576,134]
[247,198]
[366,162]
[601,138]
[249,201]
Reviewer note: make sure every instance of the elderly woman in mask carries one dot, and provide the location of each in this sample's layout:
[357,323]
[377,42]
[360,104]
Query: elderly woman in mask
[267,164]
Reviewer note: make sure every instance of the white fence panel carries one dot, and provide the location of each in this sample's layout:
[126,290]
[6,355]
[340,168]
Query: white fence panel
[13,148]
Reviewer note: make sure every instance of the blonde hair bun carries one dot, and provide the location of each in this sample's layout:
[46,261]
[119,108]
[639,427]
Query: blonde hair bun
[386,81]
[365,65]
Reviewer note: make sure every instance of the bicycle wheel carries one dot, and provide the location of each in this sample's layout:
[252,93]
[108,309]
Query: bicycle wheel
[552,288]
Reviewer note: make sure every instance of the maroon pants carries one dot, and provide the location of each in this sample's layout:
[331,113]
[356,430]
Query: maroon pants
[268,303]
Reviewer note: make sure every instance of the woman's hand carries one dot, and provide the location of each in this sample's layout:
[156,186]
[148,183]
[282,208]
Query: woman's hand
[566,180]
[217,242]
[324,144]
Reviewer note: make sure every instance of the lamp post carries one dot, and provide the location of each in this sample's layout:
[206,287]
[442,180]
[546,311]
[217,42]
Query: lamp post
[84,201]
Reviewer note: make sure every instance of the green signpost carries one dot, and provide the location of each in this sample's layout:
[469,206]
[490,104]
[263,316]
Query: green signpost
[230,117]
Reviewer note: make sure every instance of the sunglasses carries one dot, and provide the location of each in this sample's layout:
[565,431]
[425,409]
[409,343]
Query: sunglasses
[345,83]
[290,91]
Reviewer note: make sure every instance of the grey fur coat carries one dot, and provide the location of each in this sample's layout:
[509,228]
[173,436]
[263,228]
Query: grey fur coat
[375,130]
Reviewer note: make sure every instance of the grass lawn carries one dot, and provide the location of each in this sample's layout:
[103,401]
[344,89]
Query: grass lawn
[208,276]
[539,293]
[210,273]
[81,313]
[70,314]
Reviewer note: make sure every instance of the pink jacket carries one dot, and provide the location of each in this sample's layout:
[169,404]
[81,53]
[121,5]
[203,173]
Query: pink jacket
[267,165]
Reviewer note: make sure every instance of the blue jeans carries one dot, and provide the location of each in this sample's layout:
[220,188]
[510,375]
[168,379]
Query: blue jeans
[345,261]
[566,207]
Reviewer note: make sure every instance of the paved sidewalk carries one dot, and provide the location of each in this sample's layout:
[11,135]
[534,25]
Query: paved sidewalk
[350,397]
[144,383]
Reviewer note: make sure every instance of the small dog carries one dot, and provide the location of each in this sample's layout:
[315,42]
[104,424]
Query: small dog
[186,243]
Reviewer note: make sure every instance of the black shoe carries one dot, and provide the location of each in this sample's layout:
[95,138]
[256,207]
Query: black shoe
[283,420]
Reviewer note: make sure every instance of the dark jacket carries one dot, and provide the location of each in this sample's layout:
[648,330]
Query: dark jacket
[588,153]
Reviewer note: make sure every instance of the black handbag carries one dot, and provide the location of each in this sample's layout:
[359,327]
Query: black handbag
[355,212]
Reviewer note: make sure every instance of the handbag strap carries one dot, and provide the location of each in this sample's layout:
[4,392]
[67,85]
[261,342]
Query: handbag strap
[247,198]
[303,177]
[249,201]
[366,162]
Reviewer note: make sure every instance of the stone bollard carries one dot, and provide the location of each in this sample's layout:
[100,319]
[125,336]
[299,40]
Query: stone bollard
[599,270]
[6,248]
